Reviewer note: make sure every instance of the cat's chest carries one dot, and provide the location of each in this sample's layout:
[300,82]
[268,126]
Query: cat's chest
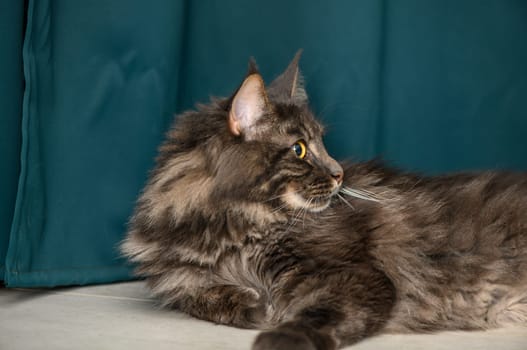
[273,252]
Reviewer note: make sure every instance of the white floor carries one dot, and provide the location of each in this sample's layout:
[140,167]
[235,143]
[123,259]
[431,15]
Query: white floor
[122,316]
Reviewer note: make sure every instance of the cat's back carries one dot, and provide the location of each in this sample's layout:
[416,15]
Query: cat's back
[465,211]
[454,246]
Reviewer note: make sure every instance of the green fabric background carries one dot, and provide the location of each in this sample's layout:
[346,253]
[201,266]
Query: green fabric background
[11,91]
[432,86]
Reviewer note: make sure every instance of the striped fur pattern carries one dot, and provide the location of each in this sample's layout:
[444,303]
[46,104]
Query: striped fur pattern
[236,228]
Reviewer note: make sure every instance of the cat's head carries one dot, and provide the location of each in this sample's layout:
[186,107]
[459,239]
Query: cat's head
[277,122]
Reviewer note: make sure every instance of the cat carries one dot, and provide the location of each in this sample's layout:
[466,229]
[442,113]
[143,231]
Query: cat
[247,221]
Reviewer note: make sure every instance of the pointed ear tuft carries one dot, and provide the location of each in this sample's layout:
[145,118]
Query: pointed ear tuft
[248,106]
[289,86]
[252,67]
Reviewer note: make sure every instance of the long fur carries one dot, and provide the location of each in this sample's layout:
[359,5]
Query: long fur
[244,233]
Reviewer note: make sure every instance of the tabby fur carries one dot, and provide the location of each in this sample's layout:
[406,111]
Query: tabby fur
[234,228]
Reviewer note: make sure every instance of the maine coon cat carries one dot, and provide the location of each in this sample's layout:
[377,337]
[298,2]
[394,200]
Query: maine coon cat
[247,221]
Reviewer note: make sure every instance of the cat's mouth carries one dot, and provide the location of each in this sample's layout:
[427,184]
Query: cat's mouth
[297,199]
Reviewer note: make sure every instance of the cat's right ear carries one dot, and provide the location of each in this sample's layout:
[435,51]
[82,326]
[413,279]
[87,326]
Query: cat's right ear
[248,106]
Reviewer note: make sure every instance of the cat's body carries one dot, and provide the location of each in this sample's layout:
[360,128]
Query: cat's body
[247,221]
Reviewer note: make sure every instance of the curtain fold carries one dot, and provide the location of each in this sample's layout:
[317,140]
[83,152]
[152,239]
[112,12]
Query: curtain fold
[12,20]
[100,84]
[429,86]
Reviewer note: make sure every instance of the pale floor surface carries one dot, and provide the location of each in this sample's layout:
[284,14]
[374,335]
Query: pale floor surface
[122,316]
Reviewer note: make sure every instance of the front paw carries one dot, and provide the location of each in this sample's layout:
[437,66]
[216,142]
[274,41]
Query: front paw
[294,336]
[245,309]
[251,297]
[256,310]
[282,339]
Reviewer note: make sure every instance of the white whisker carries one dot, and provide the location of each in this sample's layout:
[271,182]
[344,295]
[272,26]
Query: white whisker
[280,196]
[361,194]
[279,208]
[345,201]
[273,198]
[305,211]
[365,191]
[294,219]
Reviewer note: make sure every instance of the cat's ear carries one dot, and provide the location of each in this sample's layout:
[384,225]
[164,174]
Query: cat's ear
[248,106]
[289,86]
[252,67]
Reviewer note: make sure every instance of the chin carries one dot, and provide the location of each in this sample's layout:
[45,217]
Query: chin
[296,201]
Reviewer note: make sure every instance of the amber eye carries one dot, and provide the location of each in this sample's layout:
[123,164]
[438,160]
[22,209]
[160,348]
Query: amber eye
[300,149]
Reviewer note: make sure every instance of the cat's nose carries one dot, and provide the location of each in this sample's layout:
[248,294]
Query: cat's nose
[338,175]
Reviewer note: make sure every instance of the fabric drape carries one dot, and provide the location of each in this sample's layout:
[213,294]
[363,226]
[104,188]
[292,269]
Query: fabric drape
[90,87]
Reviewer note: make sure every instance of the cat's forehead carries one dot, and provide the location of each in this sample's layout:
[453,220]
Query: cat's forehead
[298,121]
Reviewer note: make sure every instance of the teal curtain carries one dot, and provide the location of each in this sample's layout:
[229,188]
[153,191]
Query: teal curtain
[11,92]
[90,87]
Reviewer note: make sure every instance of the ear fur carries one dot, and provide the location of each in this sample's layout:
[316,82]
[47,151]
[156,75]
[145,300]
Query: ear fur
[248,105]
[289,86]
[252,67]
